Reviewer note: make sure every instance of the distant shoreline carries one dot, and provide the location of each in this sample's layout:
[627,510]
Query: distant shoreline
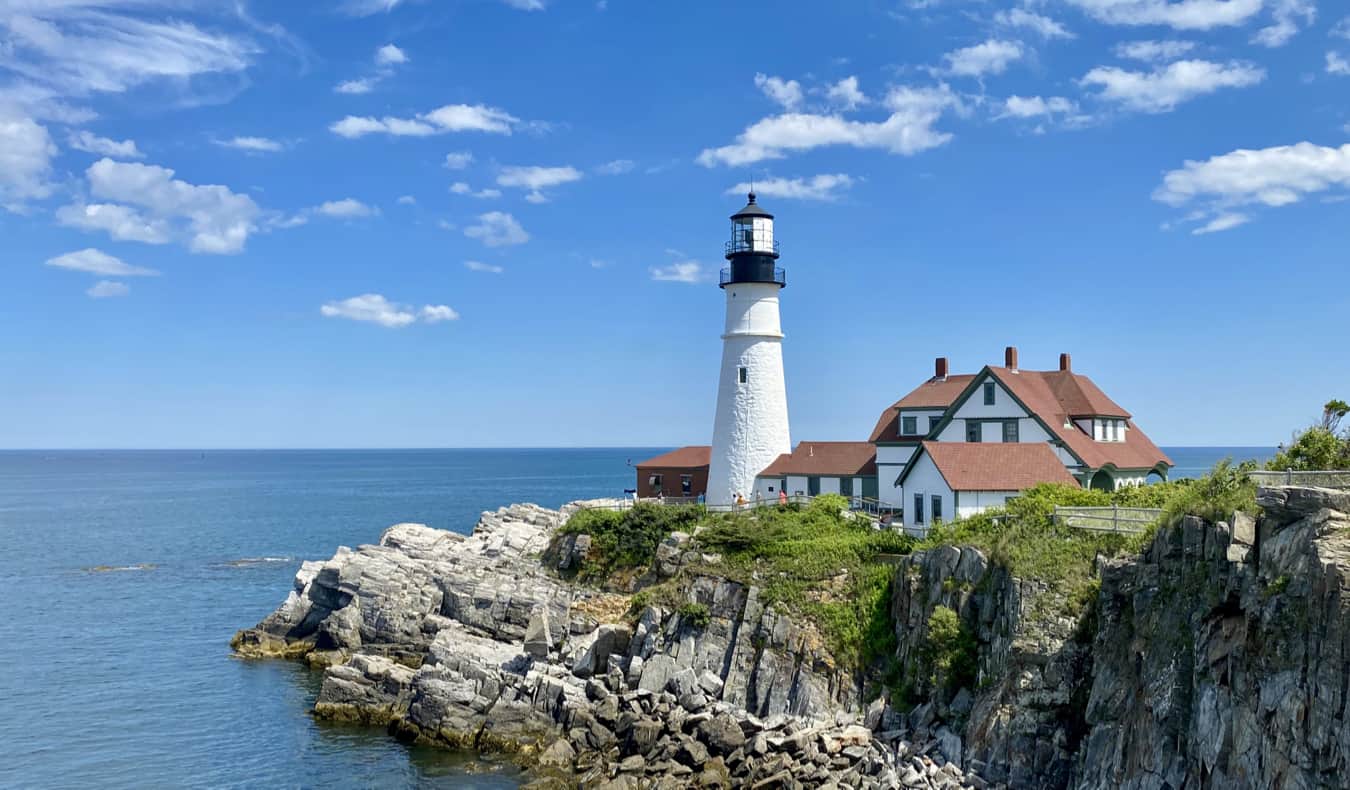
[599,447]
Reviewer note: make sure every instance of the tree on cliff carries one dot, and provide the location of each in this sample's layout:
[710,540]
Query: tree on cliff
[1321,447]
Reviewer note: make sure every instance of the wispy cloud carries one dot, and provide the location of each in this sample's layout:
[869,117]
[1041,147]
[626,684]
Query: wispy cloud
[376,309]
[497,229]
[479,266]
[26,152]
[536,179]
[87,141]
[347,208]
[689,272]
[1269,177]
[907,131]
[386,59]
[458,160]
[1177,14]
[615,168]
[253,145]
[1153,51]
[98,262]
[450,118]
[1287,17]
[990,57]
[107,289]
[825,187]
[1162,89]
[1028,20]
[785,92]
[463,188]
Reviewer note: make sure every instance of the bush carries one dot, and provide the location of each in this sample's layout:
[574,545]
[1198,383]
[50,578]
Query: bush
[694,614]
[950,651]
[627,539]
[794,553]
[1215,496]
[1316,449]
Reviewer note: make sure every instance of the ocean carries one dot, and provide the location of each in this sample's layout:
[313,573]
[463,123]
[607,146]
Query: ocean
[125,573]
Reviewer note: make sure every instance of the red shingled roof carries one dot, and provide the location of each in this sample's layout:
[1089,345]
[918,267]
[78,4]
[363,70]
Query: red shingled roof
[842,459]
[692,457]
[996,467]
[934,393]
[1058,396]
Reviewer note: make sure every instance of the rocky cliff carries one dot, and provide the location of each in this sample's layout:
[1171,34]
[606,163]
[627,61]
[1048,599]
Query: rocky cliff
[478,642]
[1218,658]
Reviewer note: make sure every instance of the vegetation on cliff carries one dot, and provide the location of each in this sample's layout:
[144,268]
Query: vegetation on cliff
[1323,446]
[626,540]
[831,566]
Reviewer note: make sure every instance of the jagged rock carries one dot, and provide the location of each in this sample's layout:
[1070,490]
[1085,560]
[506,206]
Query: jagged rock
[538,641]
[723,734]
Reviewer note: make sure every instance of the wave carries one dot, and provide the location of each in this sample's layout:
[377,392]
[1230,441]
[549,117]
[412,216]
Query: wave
[143,566]
[245,562]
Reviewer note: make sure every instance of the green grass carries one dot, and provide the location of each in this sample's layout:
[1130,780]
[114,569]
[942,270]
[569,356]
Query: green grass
[695,614]
[627,539]
[795,553]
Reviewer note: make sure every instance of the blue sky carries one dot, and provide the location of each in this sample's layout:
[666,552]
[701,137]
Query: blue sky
[399,223]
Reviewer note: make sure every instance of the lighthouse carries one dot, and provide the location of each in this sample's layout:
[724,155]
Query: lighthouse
[750,430]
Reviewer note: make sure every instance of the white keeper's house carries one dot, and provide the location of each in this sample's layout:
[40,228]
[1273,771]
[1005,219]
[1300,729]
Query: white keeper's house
[954,446]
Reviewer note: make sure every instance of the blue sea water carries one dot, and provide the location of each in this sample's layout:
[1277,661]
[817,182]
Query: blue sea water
[124,678]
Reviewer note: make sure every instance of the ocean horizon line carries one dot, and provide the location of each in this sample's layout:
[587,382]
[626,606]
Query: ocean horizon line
[186,449]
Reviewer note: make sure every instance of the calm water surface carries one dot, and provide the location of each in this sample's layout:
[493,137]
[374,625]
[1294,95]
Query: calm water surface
[124,678]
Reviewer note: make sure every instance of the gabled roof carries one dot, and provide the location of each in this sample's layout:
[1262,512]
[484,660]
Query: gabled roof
[842,459]
[1055,397]
[692,457]
[935,393]
[993,467]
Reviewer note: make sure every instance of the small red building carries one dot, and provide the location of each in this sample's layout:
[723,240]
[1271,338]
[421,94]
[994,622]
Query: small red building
[678,473]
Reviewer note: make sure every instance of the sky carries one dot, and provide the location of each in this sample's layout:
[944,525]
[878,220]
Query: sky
[416,223]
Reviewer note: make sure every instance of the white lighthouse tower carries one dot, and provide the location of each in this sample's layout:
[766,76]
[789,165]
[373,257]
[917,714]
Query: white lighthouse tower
[751,427]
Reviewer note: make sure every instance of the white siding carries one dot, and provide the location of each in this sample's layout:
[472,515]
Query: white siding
[925,479]
[895,455]
[887,491]
[751,425]
[766,488]
[829,485]
[975,502]
[920,419]
[796,485]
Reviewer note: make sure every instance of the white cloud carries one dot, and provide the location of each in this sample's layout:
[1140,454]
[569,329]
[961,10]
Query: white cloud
[497,229]
[785,92]
[908,130]
[148,204]
[1177,14]
[1221,223]
[846,94]
[357,87]
[406,200]
[26,151]
[97,262]
[536,179]
[450,118]
[479,266]
[376,309]
[436,313]
[105,289]
[347,208]
[1036,106]
[526,5]
[822,187]
[1342,29]
[458,160]
[1337,64]
[1271,177]
[615,168]
[122,223]
[1042,25]
[680,272]
[251,144]
[462,188]
[1287,16]
[990,57]
[1153,51]
[369,7]
[390,55]
[87,141]
[75,48]
[1162,89]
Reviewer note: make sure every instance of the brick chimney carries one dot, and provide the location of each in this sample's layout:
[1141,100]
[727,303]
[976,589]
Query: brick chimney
[1065,363]
[940,368]
[1010,358]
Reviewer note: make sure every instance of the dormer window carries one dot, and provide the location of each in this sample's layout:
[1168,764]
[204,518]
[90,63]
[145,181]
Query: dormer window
[1109,429]
[909,425]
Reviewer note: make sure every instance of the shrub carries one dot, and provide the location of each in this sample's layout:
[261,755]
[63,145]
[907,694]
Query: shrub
[949,651]
[627,539]
[694,614]
[1315,449]
[1215,496]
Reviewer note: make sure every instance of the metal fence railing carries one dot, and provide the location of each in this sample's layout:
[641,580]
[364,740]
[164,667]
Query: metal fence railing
[1327,479]
[1124,520]
[873,507]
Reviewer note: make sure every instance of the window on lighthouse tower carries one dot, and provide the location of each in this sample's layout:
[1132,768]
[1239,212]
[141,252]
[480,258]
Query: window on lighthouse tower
[744,374]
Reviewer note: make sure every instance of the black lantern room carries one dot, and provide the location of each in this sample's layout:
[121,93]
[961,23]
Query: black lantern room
[752,251]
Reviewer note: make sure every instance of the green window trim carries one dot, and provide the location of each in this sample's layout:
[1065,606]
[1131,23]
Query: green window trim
[909,426]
